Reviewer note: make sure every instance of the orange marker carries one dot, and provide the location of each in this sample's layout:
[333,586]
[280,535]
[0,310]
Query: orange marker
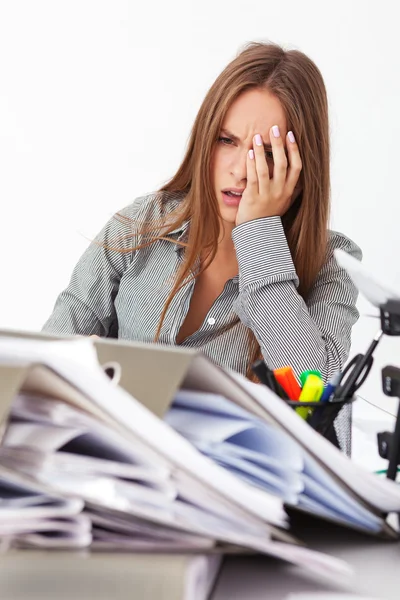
[288,381]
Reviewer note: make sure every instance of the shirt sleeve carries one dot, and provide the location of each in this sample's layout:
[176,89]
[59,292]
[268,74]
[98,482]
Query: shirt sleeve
[312,335]
[86,306]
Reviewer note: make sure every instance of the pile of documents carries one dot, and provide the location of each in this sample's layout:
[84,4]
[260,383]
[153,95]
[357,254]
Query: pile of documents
[84,463]
[30,517]
[266,457]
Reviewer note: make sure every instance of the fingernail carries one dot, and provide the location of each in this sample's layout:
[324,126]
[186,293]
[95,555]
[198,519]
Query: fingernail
[291,137]
[275,131]
[251,154]
[258,139]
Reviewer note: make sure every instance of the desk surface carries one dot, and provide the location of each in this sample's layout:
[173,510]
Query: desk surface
[376,564]
[85,576]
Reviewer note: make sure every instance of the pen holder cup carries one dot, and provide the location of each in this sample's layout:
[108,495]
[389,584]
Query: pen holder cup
[330,419]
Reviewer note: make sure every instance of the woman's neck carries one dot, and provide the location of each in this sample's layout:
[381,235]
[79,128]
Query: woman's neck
[225,261]
[225,243]
[225,258]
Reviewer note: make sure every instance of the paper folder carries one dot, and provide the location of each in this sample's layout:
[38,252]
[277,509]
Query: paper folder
[153,373]
[116,575]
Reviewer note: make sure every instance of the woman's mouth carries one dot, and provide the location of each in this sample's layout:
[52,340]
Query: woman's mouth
[231,198]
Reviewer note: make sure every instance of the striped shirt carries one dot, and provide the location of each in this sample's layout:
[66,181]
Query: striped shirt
[115,294]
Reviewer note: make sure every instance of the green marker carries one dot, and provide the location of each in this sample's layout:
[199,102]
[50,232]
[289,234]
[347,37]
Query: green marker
[305,374]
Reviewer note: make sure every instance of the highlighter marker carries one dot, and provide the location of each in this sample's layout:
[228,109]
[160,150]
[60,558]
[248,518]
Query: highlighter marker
[286,377]
[266,376]
[305,374]
[311,392]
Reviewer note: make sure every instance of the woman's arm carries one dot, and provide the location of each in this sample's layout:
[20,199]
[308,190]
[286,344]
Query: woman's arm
[86,306]
[316,335]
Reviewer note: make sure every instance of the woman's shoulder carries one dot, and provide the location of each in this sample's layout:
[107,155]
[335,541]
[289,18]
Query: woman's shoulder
[336,239]
[152,207]
[147,213]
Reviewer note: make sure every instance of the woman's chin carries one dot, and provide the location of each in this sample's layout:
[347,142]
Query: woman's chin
[228,213]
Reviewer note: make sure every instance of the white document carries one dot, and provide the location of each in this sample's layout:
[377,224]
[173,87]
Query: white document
[78,524]
[288,487]
[102,441]
[61,540]
[19,501]
[29,516]
[131,529]
[72,532]
[275,463]
[34,462]
[256,436]
[46,438]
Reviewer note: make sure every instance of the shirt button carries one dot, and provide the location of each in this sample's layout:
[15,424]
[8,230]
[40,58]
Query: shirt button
[211,321]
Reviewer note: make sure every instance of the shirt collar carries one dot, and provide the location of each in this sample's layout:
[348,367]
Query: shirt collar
[182,234]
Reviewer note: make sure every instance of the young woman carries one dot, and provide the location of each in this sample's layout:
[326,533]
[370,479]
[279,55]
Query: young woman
[233,255]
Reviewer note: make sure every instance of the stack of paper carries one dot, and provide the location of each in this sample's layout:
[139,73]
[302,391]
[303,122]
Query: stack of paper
[65,448]
[264,456]
[143,484]
[31,517]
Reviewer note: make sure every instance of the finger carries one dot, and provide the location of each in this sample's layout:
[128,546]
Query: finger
[262,168]
[295,164]
[252,179]
[280,160]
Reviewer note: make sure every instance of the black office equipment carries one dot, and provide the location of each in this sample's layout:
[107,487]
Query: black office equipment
[390,317]
[389,442]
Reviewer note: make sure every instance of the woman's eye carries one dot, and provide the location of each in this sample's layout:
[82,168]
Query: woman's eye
[224,140]
[269,155]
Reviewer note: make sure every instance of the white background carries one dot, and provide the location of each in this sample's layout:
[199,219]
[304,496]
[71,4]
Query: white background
[97,99]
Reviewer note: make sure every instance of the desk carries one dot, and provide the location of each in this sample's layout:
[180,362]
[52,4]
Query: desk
[376,564]
[106,576]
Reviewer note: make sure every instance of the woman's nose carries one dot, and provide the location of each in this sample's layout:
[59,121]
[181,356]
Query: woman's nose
[238,166]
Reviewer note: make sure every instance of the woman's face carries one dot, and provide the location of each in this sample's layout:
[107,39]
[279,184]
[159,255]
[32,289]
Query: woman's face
[254,111]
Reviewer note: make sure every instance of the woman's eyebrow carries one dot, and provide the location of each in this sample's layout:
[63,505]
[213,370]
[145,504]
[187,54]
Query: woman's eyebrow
[235,138]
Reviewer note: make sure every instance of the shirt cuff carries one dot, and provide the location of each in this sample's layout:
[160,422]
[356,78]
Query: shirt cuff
[263,253]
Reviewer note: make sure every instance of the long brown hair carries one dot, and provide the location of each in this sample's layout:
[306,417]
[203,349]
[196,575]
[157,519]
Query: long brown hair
[297,82]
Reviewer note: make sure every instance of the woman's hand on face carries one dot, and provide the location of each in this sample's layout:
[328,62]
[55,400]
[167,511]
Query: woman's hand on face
[265,196]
